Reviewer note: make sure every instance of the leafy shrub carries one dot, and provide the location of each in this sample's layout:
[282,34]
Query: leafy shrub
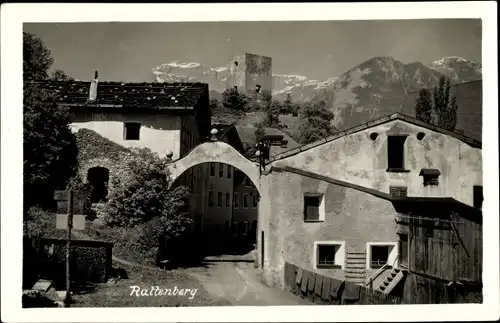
[142,193]
[39,222]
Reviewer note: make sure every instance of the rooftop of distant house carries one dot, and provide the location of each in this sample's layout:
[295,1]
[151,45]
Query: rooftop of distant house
[158,96]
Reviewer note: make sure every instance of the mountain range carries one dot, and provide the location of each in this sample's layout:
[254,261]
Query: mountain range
[377,87]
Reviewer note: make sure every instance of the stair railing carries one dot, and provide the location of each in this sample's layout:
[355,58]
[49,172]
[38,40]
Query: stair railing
[369,280]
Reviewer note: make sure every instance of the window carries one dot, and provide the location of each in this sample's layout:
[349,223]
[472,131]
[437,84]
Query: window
[221,170]
[380,253]
[314,208]
[255,200]
[478,196]
[329,254]
[247,181]
[398,191]
[395,153]
[245,202]
[210,198]
[219,199]
[228,199]
[229,171]
[212,169]
[132,130]
[235,200]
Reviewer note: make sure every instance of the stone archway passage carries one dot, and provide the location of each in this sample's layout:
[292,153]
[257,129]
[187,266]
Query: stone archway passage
[215,152]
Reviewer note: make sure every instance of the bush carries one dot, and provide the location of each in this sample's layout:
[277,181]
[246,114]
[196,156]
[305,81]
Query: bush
[39,222]
[143,193]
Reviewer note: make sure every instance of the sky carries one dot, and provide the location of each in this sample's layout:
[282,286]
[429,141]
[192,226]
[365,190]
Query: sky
[128,51]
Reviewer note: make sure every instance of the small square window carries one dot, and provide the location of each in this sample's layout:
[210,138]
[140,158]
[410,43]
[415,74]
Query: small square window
[313,207]
[328,256]
[132,130]
[379,256]
[398,191]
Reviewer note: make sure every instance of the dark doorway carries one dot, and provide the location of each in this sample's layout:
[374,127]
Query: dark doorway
[98,178]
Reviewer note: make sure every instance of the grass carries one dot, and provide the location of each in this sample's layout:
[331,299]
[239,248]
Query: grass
[119,294]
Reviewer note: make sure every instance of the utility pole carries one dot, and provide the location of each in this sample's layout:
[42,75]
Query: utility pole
[67,300]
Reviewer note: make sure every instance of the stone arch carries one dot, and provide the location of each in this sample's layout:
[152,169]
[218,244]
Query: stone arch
[215,152]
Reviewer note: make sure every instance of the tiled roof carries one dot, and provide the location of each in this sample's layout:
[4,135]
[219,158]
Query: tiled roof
[121,94]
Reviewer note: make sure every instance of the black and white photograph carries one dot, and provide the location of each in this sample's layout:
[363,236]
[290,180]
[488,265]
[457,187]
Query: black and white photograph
[250,163]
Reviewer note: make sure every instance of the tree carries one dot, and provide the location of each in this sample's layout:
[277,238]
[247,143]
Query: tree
[37,58]
[59,75]
[232,99]
[444,106]
[288,107]
[49,145]
[315,122]
[215,106]
[440,108]
[424,108]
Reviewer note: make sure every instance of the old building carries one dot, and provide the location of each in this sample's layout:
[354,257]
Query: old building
[169,119]
[251,73]
[330,206]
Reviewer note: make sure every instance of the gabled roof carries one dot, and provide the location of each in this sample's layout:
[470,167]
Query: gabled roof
[160,96]
[396,116]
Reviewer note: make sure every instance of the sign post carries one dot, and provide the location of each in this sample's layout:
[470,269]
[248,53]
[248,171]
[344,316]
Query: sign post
[67,300]
[67,203]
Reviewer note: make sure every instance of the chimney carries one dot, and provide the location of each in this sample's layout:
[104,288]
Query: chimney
[93,87]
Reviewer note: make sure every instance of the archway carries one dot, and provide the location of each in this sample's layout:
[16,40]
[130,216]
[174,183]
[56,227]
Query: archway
[223,204]
[215,152]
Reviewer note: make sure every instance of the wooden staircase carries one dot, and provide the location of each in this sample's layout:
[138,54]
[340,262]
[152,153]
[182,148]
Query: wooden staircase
[390,281]
[355,267]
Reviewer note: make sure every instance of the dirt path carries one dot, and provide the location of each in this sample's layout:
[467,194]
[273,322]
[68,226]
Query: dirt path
[239,283]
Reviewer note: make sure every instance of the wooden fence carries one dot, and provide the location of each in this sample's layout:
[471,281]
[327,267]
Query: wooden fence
[324,290]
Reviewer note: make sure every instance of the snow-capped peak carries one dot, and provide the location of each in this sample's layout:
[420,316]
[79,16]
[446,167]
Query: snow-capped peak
[448,59]
[178,64]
